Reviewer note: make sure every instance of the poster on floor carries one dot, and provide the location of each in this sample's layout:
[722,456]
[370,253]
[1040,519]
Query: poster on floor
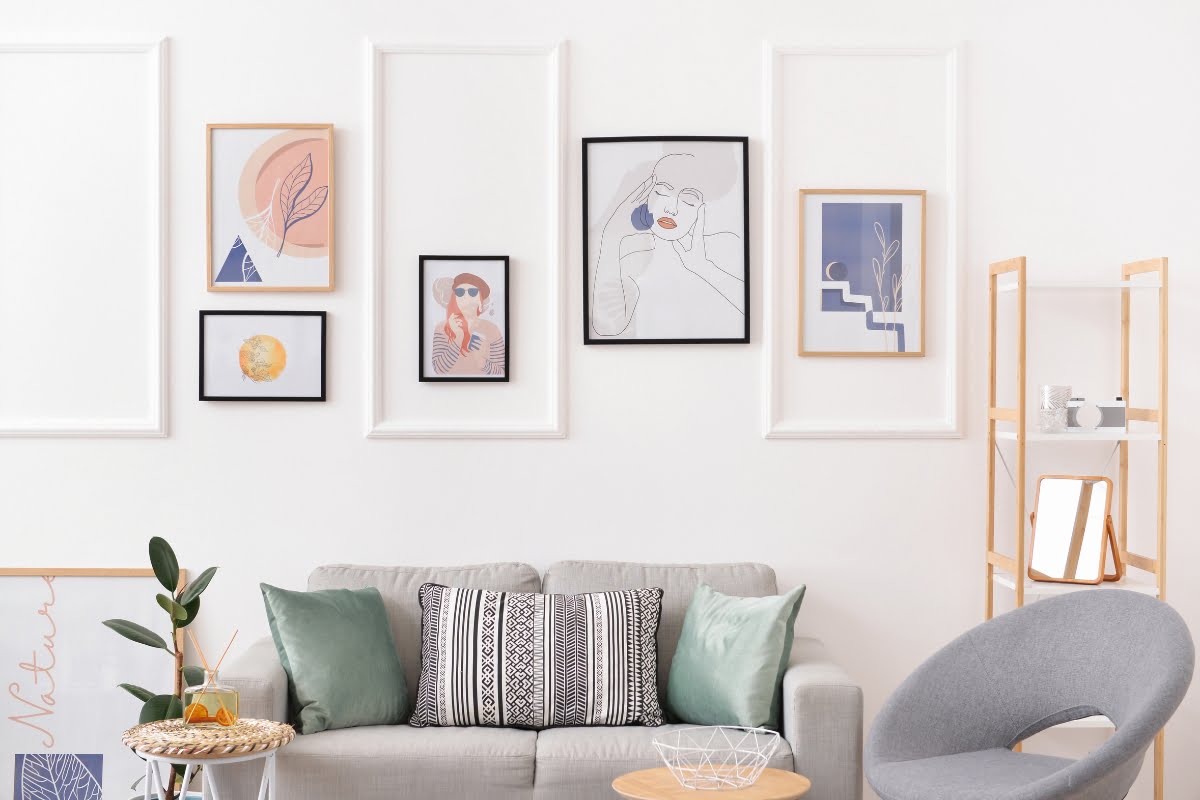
[64,711]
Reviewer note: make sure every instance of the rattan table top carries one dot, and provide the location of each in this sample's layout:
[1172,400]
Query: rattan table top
[174,737]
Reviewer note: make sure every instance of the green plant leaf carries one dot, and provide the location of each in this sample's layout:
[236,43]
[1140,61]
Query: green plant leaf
[192,676]
[166,566]
[160,707]
[137,633]
[197,587]
[178,613]
[137,691]
[155,708]
[192,609]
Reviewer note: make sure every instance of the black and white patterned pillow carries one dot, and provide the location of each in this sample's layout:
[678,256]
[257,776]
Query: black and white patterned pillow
[521,660]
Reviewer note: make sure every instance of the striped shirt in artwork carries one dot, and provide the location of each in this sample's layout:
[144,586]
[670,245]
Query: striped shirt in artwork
[446,355]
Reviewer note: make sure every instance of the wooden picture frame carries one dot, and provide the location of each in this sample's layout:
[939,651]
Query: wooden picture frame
[498,350]
[728,220]
[263,359]
[229,230]
[805,268]
[61,668]
[1108,547]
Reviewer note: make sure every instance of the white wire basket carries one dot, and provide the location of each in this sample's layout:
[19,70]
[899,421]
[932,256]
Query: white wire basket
[716,757]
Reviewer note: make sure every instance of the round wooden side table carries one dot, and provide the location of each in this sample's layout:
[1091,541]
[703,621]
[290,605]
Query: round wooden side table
[660,784]
[172,741]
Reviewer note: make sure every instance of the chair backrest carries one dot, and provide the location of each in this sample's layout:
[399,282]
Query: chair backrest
[1105,651]
[678,582]
[399,586]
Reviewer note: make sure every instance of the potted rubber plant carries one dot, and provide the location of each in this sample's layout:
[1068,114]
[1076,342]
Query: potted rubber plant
[182,606]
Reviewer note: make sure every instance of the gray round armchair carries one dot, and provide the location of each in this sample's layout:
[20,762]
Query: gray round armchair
[948,731]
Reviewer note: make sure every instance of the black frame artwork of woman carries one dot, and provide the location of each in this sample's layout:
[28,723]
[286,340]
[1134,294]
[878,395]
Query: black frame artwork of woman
[468,341]
[666,244]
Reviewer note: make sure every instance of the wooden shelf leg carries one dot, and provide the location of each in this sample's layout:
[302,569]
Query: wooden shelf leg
[989,576]
[1159,758]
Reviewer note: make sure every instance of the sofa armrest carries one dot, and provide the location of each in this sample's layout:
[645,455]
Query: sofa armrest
[261,682]
[823,722]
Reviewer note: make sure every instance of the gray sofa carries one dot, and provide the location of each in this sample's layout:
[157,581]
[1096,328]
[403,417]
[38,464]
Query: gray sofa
[822,713]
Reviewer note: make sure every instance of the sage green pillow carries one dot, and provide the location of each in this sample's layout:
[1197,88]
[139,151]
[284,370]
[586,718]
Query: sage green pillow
[733,651]
[337,649]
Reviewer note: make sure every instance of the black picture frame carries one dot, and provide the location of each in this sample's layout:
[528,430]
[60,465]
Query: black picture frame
[206,313]
[421,376]
[588,338]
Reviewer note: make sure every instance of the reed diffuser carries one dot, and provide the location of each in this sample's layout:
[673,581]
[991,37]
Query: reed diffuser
[210,704]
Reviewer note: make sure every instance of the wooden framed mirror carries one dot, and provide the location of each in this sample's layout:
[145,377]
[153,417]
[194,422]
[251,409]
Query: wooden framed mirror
[1073,536]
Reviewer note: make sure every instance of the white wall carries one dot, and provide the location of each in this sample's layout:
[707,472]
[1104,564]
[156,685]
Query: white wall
[1081,136]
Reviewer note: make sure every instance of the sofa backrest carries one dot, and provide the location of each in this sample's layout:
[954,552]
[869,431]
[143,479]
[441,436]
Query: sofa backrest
[399,586]
[678,582]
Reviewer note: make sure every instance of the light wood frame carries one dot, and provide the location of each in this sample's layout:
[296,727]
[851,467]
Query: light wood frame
[106,572]
[331,204]
[1015,565]
[804,193]
[1110,538]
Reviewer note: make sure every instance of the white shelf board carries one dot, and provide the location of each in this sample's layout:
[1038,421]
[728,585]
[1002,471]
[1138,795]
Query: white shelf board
[1011,286]
[1098,721]
[1138,583]
[1117,435]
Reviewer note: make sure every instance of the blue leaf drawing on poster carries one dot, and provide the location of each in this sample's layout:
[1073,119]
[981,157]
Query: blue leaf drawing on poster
[861,272]
[58,776]
[238,266]
[294,207]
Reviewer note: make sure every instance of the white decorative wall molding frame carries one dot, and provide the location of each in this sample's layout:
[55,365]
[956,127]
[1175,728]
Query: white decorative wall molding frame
[779,302]
[151,128]
[553,423]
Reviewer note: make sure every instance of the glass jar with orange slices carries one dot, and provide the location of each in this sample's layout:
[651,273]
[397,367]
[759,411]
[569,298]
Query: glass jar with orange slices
[210,704]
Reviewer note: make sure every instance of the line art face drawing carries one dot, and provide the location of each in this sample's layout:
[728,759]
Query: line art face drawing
[666,248]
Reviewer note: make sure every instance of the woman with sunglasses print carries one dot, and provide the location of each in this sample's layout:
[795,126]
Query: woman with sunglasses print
[465,343]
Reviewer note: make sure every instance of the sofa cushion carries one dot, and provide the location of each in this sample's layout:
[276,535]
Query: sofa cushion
[728,668]
[399,587]
[528,660]
[402,762]
[678,582]
[337,650]
[581,763]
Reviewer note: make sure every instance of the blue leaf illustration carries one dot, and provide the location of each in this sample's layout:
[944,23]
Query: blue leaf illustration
[295,183]
[57,776]
[292,207]
[309,205]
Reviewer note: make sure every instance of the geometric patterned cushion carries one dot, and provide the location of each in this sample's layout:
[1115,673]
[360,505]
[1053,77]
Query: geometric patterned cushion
[525,660]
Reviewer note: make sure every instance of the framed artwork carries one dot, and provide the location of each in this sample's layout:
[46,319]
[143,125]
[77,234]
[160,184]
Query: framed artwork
[262,355]
[60,733]
[270,208]
[667,240]
[862,272]
[463,313]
